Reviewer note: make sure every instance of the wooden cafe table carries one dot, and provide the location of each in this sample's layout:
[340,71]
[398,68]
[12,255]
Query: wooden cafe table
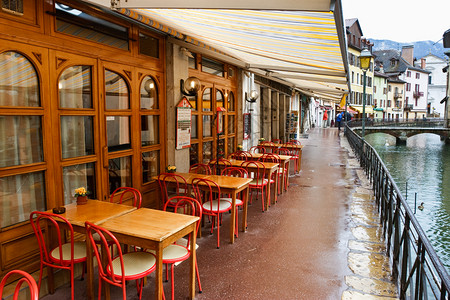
[155,229]
[228,185]
[96,212]
[270,168]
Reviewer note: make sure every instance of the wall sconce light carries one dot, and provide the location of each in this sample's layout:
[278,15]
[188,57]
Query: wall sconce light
[190,87]
[252,96]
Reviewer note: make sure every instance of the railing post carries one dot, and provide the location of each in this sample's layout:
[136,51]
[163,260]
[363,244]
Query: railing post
[405,258]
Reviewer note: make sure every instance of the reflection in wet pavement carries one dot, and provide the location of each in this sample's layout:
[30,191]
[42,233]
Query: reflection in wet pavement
[367,257]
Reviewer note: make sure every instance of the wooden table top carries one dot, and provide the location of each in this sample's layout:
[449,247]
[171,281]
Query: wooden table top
[267,165]
[283,146]
[222,181]
[149,224]
[94,211]
[282,157]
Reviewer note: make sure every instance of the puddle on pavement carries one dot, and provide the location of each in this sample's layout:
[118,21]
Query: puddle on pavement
[369,234]
[370,265]
[367,246]
[372,286]
[353,295]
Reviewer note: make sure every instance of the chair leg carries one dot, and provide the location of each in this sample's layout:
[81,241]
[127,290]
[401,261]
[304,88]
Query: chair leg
[198,278]
[236,227]
[173,286]
[218,235]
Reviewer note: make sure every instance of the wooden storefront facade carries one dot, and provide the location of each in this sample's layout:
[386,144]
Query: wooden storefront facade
[83,102]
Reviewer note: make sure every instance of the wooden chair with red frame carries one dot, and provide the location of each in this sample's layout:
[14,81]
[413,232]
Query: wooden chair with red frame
[170,185]
[200,168]
[294,142]
[120,268]
[235,172]
[281,172]
[180,250]
[63,255]
[257,171]
[22,277]
[207,192]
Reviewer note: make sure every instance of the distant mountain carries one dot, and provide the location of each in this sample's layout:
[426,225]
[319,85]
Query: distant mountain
[421,48]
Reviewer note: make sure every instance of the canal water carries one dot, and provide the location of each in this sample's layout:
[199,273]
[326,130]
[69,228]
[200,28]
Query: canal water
[422,166]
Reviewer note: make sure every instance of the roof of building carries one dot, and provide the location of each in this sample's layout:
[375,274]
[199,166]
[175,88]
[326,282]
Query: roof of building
[387,56]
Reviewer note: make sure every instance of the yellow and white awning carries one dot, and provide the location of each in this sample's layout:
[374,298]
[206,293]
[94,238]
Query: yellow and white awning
[298,42]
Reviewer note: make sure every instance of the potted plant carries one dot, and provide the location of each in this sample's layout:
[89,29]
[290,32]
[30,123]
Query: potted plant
[261,140]
[171,169]
[81,194]
[240,147]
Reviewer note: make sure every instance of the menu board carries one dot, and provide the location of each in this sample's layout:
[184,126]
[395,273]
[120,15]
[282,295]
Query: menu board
[184,118]
[247,126]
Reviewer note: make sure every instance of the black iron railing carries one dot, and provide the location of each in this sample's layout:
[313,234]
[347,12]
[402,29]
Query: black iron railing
[416,266]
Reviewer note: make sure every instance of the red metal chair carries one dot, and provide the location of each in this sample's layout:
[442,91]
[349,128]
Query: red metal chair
[257,149]
[172,184]
[281,172]
[24,277]
[295,156]
[235,172]
[200,169]
[207,192]
[218,165]
[137,196]
[64,255]
[180,250]
[256,171]
[294,142]
[241,155]
[283,151]
[116,270]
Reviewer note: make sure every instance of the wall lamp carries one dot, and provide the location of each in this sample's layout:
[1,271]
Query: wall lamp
[190,87]
[252,97]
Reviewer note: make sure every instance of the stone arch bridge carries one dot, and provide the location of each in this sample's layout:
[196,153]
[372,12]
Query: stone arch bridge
[403,130]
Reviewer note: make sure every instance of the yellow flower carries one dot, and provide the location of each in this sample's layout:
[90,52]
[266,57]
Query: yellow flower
[81,191]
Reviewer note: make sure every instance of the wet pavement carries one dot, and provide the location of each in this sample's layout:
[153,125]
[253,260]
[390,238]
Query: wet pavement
[322,240]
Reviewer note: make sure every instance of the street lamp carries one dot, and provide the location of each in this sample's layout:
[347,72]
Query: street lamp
[364,63]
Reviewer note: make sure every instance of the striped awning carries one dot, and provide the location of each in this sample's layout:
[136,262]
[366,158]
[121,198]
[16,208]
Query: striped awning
[301,43]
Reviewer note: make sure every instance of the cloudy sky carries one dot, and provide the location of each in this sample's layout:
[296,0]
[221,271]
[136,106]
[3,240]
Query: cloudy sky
[400,20]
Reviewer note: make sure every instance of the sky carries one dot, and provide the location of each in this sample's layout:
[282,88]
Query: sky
[400,20]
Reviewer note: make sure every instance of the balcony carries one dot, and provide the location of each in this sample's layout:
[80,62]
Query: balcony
[397,95]
[408,107]
[417,94]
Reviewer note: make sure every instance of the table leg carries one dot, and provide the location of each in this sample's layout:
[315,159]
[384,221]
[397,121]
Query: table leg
[233,216]
[286,174]
[159,273]
[192,263]
[269,175]
[275,187]
[244,211]
[299,162]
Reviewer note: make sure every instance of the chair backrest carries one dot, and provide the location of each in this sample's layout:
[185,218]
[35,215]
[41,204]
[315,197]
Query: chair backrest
[255,169]
[23,277]
[270,157]
[240,155]
[172,184]
[294,142]
[258,149]
[104,259]
[43,221]
[217,165]
[187,206]
[200,169]
[283,151]
[137,196]
[235,172]
[206,190]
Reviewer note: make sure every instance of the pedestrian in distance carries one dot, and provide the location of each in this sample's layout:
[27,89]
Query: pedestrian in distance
[339,120]
[325,119]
